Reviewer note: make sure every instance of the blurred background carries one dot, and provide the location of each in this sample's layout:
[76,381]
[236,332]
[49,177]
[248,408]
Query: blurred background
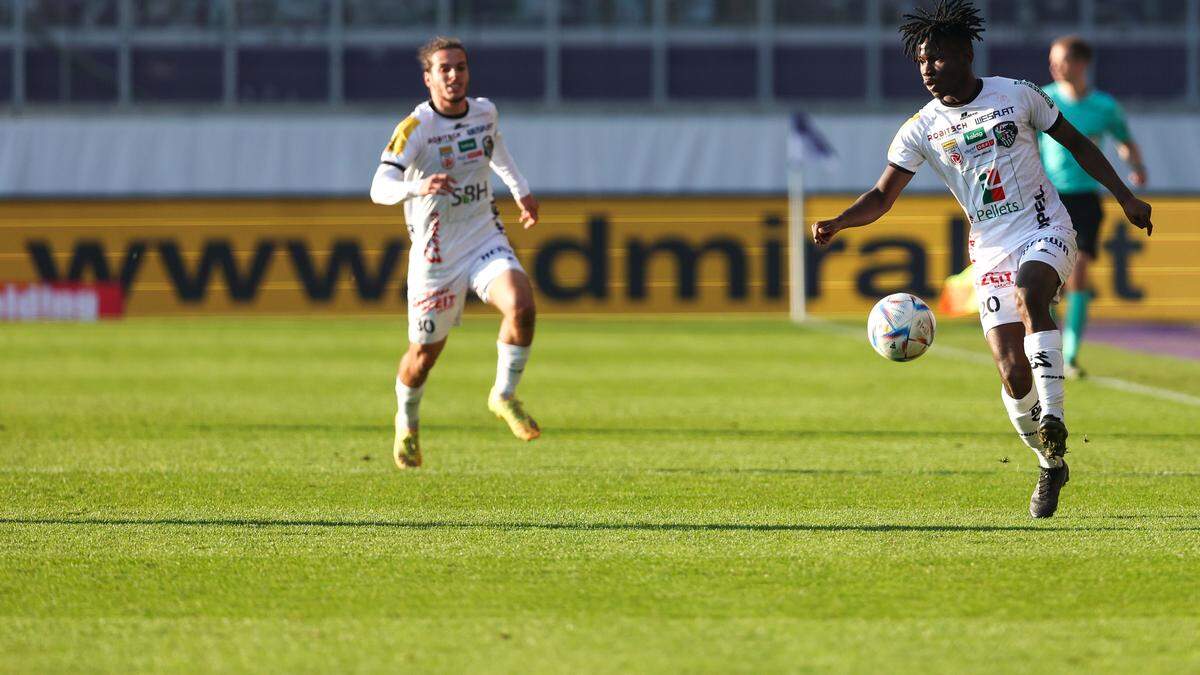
[215,156]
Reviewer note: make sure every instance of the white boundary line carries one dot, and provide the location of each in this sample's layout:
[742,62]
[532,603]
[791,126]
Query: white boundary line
[960,354]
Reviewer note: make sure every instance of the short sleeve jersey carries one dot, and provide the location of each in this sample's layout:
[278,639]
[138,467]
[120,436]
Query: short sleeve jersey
[1096,116]
[986,152]
[428,142]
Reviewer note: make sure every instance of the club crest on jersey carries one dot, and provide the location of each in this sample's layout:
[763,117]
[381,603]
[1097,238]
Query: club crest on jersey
[950,147]
[447,153]
[1005,133]
[488,146]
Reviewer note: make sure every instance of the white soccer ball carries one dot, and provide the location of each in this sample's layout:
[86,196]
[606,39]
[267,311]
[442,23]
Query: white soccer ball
[901,327]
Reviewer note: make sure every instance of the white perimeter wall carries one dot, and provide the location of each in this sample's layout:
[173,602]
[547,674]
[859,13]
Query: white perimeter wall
[324,154]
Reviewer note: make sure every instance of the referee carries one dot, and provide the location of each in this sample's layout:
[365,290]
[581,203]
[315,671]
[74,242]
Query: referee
[1096,115]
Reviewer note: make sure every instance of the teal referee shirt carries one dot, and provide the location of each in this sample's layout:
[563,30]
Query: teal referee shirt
[1096,115]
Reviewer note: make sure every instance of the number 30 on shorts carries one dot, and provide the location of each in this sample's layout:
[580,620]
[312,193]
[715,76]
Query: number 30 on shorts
[425,325]
[991,305]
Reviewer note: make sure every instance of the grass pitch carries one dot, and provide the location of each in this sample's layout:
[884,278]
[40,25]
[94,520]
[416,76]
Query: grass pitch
[708,496]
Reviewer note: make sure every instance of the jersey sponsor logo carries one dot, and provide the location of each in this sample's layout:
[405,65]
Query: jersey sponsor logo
[438,300]
[997,279]
[992,184]
[1005,133]
[469,194]
[953,129]
[952,152]
[476,154]
[444,138]
[974,136]
[985,145]
[466,145]
[987,117]
[477,129]
[447,153]
[1039,205]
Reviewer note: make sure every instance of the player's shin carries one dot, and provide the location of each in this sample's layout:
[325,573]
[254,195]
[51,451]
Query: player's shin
[510,365]
[1024,414]
[1044,350]
[408,404]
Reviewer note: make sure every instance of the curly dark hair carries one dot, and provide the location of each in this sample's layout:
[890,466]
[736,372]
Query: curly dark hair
[948,20]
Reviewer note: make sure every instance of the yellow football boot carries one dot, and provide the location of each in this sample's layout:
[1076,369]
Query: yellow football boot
[406,449]
[513,413]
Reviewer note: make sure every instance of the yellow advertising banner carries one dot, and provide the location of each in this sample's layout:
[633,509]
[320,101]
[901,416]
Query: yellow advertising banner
[661,255]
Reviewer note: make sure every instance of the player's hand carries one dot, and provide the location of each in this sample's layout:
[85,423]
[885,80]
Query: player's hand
[1138,213]
[438,184]
[1138,176]
[529,210]
[823,231]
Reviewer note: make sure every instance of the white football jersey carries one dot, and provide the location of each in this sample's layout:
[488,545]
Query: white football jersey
[986,152]
[466,147]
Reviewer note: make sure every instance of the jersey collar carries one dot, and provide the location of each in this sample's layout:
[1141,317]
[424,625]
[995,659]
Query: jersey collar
[450,117]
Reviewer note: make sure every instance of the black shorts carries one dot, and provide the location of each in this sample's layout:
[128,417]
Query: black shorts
[1086,214]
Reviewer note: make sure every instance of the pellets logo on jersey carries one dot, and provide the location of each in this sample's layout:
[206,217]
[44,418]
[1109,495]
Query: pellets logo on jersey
[1005,133]
[951,149]
[447,153]
[993,186]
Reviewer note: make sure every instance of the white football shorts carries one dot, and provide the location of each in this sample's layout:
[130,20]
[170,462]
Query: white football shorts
[996,288]
[437,292]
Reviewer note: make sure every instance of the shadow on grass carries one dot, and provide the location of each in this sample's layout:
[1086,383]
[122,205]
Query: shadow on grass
[580,527]
[569,431]
[723,432]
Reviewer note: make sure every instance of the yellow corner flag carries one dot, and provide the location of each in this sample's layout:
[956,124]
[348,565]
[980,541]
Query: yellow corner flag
[958,295]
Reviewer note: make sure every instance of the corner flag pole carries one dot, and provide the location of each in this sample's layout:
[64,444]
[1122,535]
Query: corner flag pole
[806,146]
[796,243]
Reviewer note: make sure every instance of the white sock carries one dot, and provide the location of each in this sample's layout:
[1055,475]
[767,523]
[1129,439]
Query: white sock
[509,366]
[1024,415]
[1044,350]
[408,405]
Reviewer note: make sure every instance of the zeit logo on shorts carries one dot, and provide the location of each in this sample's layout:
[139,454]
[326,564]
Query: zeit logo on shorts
[997,279]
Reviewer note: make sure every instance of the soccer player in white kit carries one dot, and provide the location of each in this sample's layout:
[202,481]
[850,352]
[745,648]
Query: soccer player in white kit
[980,136]
[438,163]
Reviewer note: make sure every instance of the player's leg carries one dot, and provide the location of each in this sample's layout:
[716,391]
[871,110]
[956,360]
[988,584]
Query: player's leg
[433,309]
[1005,330]
[1086,216]
[500,281]
[1005,334]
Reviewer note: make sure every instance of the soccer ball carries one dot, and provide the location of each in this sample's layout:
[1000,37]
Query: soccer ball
[900,327]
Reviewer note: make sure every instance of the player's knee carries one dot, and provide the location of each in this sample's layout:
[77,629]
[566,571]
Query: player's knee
[1015,374]
[1032,299]
[523,312]
[423,356]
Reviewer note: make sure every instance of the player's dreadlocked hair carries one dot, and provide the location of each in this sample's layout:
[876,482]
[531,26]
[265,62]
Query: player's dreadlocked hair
[950,19]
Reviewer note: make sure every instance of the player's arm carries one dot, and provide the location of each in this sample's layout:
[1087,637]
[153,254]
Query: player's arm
[867,208]
[504,166]
[1096,164]
[389,186]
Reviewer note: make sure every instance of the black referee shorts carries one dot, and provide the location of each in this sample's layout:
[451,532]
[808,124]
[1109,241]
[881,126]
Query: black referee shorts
[1086,214]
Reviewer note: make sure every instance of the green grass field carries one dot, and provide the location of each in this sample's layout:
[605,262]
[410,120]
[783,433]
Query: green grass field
[709,495]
